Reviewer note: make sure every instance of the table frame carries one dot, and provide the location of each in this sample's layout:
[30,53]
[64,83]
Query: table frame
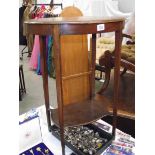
[67,26]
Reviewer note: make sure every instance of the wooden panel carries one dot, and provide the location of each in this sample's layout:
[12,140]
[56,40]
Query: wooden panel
[74,54]
[75,68]
[71,11]
[76,89]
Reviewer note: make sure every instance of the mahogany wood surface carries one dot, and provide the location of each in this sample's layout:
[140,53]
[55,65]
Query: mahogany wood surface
[118,43]
[74,20]
[84,112]
[56,42]
[75,69]
[73,24]
[43,56]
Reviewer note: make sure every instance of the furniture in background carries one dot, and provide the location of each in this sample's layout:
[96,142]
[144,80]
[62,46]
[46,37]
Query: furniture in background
[106,58]
[126,100]
[75,70]
[22,88]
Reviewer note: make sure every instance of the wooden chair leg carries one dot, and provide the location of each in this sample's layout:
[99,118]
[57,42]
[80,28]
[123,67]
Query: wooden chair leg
[106,83]
[106,61]
[123,72]
[100,69]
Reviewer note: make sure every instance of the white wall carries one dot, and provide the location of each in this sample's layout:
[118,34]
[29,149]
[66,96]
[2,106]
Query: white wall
[126,5]
[20,3]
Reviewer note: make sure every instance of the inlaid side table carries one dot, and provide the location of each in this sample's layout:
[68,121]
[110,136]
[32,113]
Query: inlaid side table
[93,107]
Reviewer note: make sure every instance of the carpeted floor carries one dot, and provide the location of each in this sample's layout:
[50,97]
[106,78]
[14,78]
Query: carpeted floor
[34,96]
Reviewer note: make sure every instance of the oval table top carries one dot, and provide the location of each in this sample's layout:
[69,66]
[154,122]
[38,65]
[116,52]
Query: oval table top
[75,20]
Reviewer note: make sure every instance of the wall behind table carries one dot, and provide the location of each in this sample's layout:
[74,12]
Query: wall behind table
[126,5]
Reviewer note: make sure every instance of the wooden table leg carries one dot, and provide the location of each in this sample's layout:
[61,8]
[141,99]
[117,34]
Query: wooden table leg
[57,50]
[43,55]
[118,42]
[93,57]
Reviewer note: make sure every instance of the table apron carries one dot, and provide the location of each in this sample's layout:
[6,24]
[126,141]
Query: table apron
[69,29]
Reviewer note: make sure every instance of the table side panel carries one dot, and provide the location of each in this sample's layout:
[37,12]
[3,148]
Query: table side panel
[41,29]
[67,29]
[83,112]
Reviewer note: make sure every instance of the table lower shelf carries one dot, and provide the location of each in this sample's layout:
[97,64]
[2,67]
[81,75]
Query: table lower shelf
[126,100]
[82,113]
[101,105]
